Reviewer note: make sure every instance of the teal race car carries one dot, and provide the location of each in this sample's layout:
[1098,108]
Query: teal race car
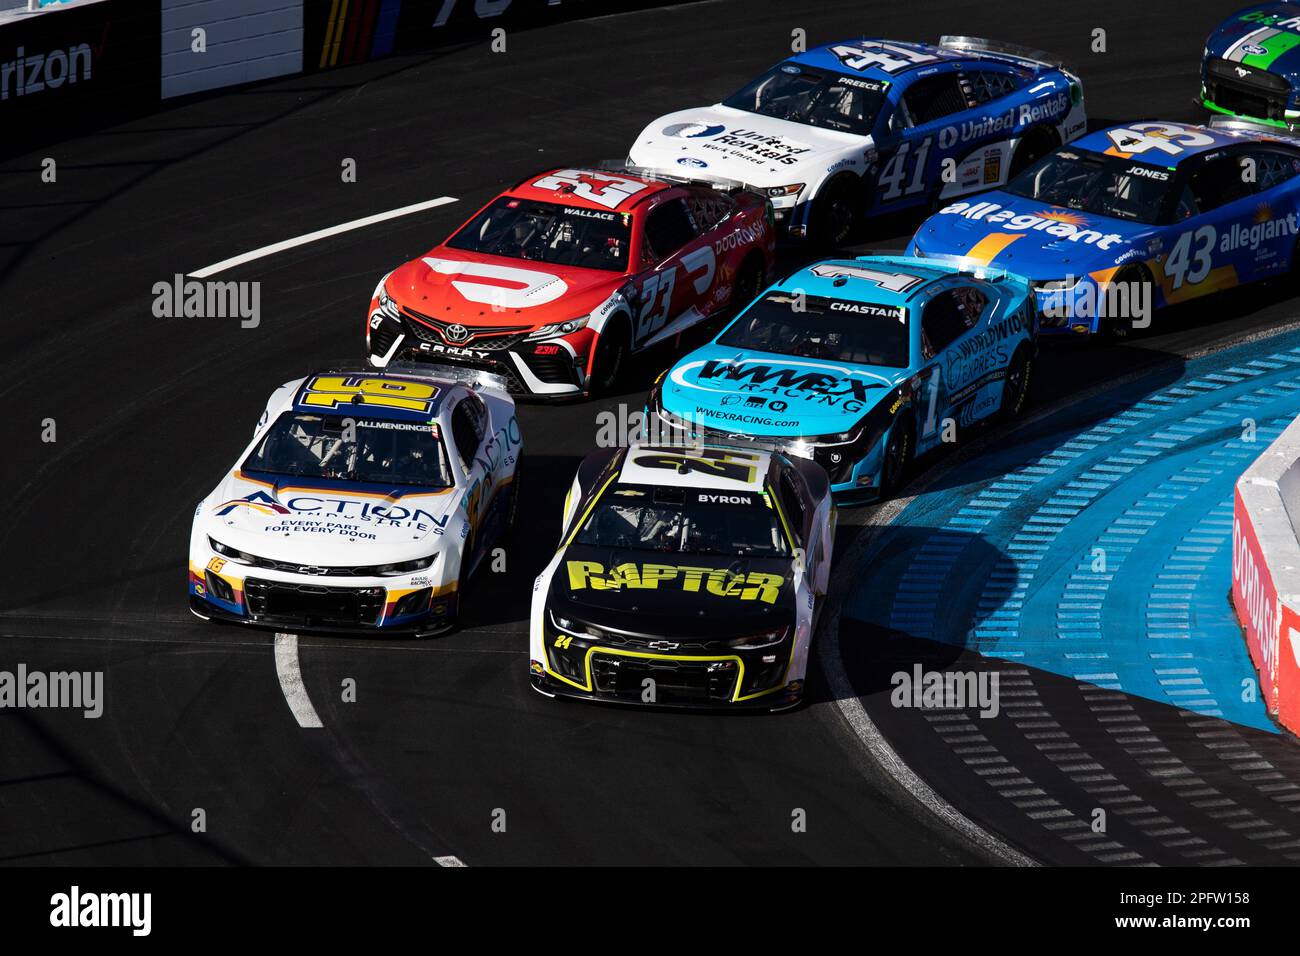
[859,364]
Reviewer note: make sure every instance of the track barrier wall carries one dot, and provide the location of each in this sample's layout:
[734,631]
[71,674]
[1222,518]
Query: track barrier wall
[1266,572]
[85,64]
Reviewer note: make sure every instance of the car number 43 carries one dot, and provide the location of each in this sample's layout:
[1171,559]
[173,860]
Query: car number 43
[1190,260]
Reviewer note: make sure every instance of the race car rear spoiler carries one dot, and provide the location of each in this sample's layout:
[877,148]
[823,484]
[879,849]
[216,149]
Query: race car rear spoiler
[962,264]
[1012,50]
[718,182]
[474,378]
[1234,124]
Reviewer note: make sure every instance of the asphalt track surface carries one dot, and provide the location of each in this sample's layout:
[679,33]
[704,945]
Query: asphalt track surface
[1084,558]
[444,735]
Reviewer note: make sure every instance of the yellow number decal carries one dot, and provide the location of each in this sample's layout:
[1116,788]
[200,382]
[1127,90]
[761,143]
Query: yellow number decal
[725,464]
[216,564]
[563,641]
[333,391]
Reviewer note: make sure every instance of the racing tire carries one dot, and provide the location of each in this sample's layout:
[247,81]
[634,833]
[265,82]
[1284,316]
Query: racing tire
[1036,144]
[749,282]
[612,350]
[900,449]
[1017,384]
[462,581]
[835,213]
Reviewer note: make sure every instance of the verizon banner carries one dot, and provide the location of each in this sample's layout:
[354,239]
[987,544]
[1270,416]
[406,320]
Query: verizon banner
[68,66]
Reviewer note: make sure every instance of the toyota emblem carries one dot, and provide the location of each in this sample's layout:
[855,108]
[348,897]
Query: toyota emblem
[456,333]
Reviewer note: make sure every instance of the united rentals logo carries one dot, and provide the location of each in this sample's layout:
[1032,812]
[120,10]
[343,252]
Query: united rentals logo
[694,130]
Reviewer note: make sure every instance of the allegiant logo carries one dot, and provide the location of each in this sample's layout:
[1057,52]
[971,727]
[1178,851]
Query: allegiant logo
[1063,224]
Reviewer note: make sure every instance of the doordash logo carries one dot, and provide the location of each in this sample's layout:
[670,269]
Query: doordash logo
[29,73]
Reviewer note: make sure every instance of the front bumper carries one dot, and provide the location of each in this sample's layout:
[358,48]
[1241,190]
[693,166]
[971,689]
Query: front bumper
[674,689]
[284,601]
[1249,92]
[551,368]
[696,673]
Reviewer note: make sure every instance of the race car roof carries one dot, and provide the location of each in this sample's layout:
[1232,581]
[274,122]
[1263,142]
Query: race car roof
[1102,141]
[383,395]
[883,280]
[588,189]
[725,469]
[840,56]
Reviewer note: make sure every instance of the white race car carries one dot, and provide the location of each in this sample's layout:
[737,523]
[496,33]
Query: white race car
[363,503]
[871,126]
[687,577]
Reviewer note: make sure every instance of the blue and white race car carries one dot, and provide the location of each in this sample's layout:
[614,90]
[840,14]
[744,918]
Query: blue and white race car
[859,364]
[1251,65]
[1133,218]
[865,126]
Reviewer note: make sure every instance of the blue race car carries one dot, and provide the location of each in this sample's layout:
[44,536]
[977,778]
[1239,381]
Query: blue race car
[872,126]
[1251,65]
[859,364]
[1132,219]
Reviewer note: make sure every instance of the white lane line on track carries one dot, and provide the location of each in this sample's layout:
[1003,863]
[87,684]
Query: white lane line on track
[272,249]
[295,692]
[448,861]
[846,700]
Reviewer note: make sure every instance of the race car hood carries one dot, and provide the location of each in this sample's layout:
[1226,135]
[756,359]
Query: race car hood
[719,142]
[768,394]
[1031,238]
[1264,37]
[475,290]
[327,523]
[676,595]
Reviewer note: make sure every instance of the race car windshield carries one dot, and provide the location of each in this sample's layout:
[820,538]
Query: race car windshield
[816,327]
[352,449]
[684,521]
[813,97]
[1104,185]
[546,232]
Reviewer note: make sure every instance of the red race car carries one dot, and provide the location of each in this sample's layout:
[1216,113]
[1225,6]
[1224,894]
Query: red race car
[554,283]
